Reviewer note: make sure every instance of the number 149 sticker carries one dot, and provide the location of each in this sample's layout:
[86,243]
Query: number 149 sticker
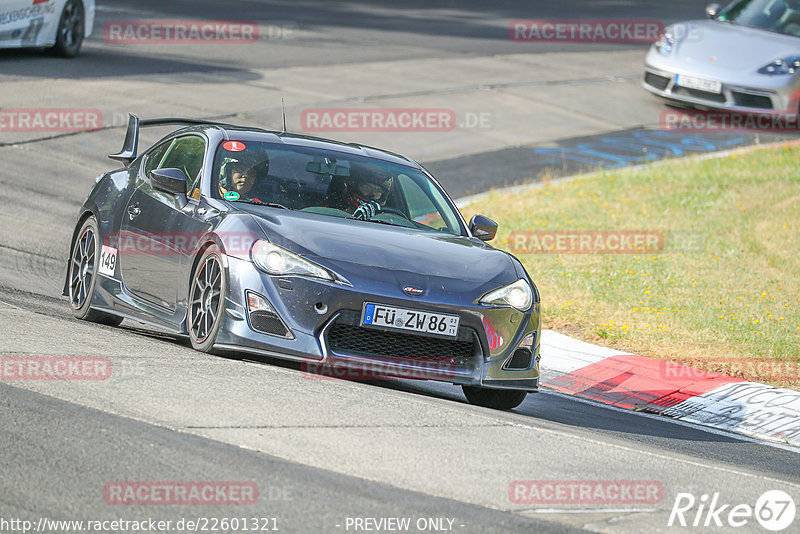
[108,261]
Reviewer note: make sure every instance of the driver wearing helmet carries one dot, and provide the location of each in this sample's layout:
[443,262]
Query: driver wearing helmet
[365,191]
[239,178]
[243,176]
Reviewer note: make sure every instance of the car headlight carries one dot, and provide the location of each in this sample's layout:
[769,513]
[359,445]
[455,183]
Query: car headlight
[665,43]
[518,295]
[276,260]
[787,65]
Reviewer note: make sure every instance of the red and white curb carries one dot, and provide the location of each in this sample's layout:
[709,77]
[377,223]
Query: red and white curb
[654,386]
[634,382]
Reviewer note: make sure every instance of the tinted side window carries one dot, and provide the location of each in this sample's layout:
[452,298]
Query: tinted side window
[154,158]
[185,153]
[419,205]
[426,205]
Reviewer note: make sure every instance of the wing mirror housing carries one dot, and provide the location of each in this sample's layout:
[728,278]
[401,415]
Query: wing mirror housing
[712,10]
[482,227]
[171,181]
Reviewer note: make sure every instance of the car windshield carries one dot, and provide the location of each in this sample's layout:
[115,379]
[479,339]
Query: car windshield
[777,16]
[331,183]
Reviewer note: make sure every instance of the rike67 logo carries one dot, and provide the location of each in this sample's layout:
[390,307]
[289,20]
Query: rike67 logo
[774,510]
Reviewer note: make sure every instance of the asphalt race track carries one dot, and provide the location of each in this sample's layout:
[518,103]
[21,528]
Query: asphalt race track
[326,453]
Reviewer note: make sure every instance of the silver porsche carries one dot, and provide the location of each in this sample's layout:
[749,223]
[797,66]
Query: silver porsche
[744,57]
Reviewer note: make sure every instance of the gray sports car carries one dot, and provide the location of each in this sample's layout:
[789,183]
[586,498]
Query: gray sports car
[745,58]
[331,254]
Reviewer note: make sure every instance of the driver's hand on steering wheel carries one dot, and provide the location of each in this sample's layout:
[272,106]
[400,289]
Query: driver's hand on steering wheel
[367,210]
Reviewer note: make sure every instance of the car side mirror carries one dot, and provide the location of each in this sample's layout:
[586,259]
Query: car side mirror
[172,181]
[482,227]
[712,10]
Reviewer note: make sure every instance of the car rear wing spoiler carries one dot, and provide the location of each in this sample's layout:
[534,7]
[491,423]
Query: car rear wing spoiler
[131,145]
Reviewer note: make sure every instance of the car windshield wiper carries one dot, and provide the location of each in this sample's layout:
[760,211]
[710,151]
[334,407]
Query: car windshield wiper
[259,203]
[377,221]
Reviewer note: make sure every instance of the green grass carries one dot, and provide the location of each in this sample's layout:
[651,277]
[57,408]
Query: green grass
[726,287]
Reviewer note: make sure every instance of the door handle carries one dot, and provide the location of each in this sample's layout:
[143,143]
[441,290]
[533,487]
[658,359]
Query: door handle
[205,213]
[134,211]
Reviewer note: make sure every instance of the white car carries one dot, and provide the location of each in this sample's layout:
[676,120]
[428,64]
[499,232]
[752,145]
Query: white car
[744,58]
[60,25]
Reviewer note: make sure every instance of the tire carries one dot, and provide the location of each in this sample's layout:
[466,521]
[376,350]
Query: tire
[206,300]
[497,399]
[83,275]
[71,28]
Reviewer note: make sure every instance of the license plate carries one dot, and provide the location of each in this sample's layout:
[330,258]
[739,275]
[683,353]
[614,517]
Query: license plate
[690,82]
[423,322]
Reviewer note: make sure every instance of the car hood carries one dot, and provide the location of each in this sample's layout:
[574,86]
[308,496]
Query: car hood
[356,249]
[719,49]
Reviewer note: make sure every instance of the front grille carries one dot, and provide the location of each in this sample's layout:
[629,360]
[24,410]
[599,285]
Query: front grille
[654,80]
[747,100]
[697,93]
[345,336]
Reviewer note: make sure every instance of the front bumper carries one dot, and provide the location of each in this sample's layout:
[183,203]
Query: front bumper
[313,309]
[772,96]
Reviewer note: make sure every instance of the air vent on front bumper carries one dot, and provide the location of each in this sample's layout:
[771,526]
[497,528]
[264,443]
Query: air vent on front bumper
[268,323]
[655,80]
[747,100]
[520,361]
[264,318]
